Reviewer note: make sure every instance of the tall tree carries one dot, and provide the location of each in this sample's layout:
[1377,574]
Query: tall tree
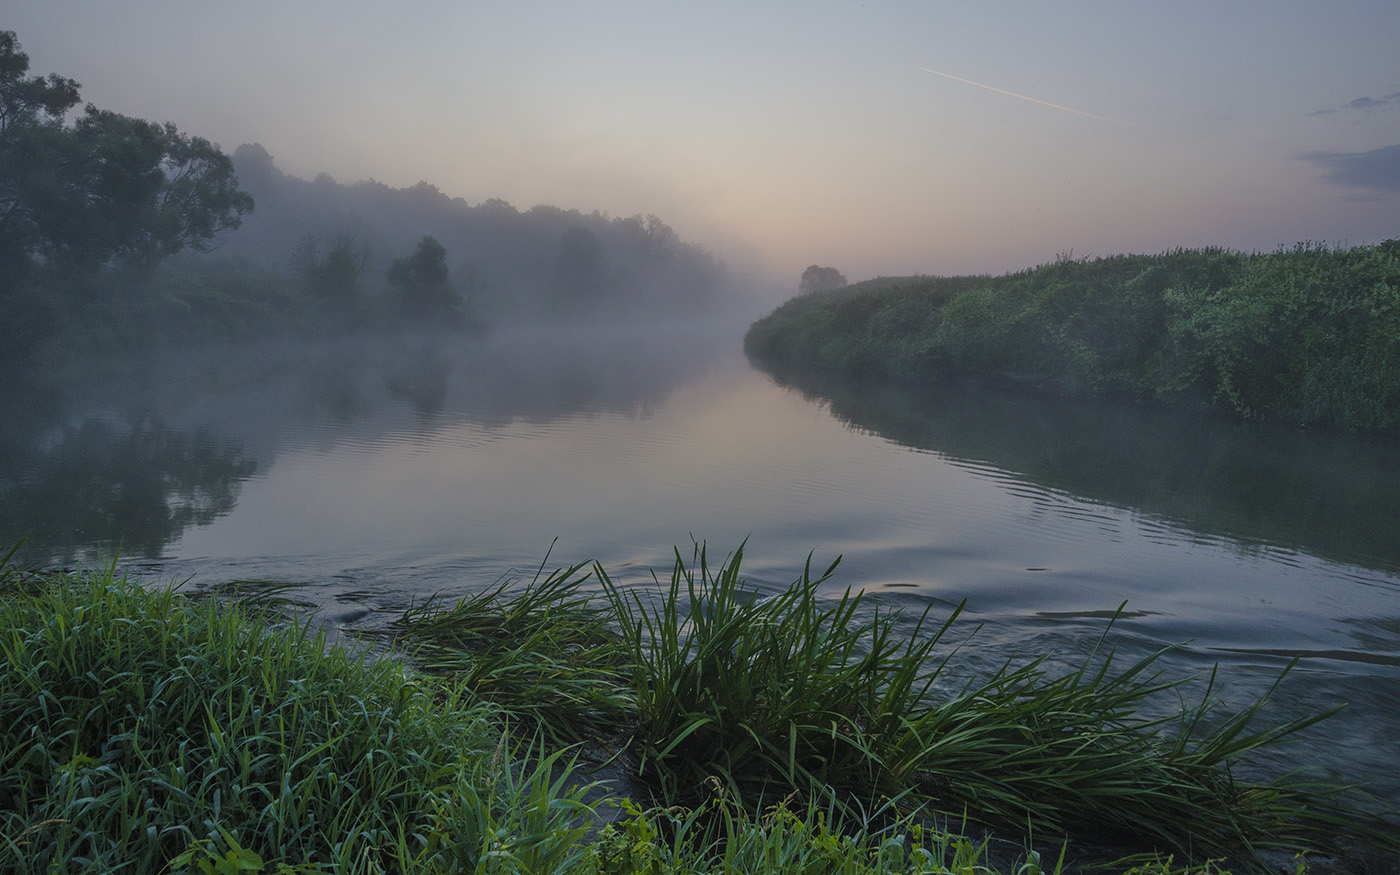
[107,186]
[28,101]
[198,200]
[32,110]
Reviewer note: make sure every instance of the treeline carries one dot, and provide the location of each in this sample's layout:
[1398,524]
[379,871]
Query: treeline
[1309,335]
[505,263]
[119,233]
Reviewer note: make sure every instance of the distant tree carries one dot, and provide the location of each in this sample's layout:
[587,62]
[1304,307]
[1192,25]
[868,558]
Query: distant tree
[498,208]
[655,238]
[333,273]
[820,279]
[421,282]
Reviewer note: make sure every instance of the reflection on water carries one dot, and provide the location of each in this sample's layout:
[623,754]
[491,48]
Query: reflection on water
[1330,495]
[377,473]
[122,486]
[128,455]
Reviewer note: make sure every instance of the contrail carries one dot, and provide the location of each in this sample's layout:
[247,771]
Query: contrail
[1024,97]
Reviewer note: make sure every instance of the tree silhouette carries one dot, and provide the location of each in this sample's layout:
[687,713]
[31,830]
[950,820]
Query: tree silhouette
[820,279]
[422,283]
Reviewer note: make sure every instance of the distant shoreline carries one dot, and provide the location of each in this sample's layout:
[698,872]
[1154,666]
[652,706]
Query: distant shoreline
[1308,336]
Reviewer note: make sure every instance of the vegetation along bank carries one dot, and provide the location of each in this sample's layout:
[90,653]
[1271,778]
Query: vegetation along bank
[144,730]
[1309,335]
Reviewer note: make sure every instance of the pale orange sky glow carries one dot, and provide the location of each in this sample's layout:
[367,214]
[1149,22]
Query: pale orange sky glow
[780,135]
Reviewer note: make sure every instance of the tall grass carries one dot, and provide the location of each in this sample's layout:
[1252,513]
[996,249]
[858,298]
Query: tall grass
[136,725]
[542,651]
[789,690]
[141,730]
[768,695]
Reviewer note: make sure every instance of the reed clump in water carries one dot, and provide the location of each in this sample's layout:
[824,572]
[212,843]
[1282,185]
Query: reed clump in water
[779,733]
[795,692]
[724,690]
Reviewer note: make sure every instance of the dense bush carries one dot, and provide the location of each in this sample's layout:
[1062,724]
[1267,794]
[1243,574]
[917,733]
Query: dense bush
[1309,335]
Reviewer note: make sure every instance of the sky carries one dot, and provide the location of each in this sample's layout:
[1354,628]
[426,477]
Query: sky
[876,138]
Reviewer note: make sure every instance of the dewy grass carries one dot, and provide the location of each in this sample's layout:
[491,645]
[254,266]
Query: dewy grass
[140,725]
[789,689]
[795,692]
[542,652]
[144,731]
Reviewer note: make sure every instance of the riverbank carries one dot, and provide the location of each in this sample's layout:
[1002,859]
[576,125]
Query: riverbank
[154,730]
[1308,336]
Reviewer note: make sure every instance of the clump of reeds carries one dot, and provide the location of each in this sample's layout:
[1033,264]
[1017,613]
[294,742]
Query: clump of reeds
[542,651]
[793,691]
[146,730]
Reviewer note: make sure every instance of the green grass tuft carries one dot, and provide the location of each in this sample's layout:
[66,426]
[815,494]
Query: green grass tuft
[541,651]
[767,695]
[138,725]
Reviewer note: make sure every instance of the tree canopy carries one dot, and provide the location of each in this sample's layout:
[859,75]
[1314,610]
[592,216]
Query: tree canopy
[28,101]
[820,279]
[422,281]
[101,187]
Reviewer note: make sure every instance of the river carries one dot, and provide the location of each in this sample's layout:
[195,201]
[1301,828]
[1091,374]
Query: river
[377,473]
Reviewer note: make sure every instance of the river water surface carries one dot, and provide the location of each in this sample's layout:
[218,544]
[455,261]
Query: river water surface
[375,474]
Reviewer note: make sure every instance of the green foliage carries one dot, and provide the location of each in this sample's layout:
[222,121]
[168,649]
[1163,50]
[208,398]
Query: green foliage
[1309,336]
[421,282]
[107,186]
[720,838]
[105,189]
[139,726]
[541,651]
[143,729]
[33,100]
[791,692]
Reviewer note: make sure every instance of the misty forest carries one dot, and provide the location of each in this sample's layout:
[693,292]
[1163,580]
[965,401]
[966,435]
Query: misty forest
[119,233]
[353,528]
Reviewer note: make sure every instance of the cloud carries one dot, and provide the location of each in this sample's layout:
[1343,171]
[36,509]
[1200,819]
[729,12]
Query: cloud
[1366,104]
[1378,169]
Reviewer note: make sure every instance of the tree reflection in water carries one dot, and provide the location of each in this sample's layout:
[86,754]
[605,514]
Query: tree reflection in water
[132,487]
[1331,495]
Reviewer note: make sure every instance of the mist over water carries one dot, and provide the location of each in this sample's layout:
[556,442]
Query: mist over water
[378,472]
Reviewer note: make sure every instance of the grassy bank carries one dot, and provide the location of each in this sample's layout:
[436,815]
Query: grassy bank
[1309,336]
[145,731]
